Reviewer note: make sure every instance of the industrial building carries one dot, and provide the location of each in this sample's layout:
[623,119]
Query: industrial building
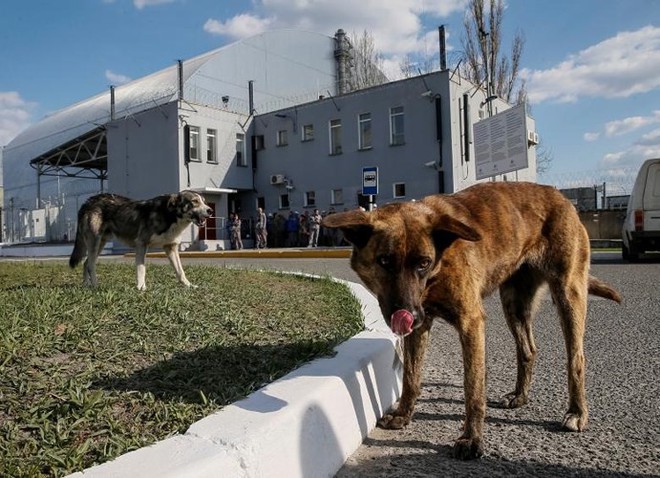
[268,121]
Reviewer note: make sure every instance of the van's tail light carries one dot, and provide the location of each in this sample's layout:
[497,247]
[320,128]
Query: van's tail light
[639,220]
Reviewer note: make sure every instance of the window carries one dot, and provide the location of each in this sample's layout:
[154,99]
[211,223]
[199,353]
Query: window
[258,142]
[282,138]
[241,160]
[308,132]
[194,143]
[310,199]
[364,131]
[399,190]
[210,146]
[284,201]
[335,136]
[396,126]
[337,196]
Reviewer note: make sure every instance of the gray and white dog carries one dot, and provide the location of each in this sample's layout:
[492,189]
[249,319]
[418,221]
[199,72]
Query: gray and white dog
[140,224]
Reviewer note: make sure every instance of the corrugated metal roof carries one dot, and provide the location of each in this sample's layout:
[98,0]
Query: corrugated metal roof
[222,69]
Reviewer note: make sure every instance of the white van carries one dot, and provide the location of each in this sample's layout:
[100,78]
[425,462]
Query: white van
[641,228]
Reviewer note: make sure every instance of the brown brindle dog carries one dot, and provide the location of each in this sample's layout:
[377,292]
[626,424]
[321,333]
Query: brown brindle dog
[440,256]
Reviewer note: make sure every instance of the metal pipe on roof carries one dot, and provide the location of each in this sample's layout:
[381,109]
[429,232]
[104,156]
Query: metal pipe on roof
[112,103]
[180,75]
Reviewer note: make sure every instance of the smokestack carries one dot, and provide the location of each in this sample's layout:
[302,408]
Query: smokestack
[342,57]
[443,48]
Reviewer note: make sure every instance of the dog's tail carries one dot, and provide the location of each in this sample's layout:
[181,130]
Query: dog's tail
[79,250]
[601,289]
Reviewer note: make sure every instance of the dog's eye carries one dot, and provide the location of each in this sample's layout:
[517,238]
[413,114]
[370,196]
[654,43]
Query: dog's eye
[424,264]
[384,261]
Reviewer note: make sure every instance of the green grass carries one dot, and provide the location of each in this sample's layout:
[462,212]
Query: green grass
[86,375]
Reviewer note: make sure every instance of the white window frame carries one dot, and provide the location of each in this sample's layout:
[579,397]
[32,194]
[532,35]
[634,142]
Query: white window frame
[397,138]
[194,133]
[211,145]
[310,198]
[337,196]
[288,200]
[282,138]
[308,132]
[364,131]
[335,136]
[394,193]
[241,159]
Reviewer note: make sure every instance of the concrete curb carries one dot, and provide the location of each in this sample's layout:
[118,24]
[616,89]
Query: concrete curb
[305,424]
[288,253]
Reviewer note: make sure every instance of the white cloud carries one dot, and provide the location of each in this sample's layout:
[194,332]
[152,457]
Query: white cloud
[140,4]
[647,146]
[619,67]
[651,139]
[626,125]
[240,26]
[15,115]
[395,24]
[591,136]
[116,78]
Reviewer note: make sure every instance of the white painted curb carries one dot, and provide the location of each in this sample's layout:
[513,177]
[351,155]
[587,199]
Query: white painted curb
[305,424]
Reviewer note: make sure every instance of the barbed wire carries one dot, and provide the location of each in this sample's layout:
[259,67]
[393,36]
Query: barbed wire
[618,181]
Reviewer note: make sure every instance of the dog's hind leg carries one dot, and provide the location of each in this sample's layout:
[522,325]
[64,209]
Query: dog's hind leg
[414,347]
[89,269]
[570,296]
[174,258]
[141,270]
[519,295]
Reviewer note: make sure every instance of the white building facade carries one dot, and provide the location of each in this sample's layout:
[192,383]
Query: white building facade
[262,122]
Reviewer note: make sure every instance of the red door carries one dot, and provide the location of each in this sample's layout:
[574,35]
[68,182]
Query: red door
[207,231]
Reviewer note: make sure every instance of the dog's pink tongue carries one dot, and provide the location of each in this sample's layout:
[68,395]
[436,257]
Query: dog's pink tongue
[402,322]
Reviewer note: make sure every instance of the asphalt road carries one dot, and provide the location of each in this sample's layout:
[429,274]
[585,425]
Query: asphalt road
[623,387]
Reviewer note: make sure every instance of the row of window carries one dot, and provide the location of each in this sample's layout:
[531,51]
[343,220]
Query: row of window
[211,146]
[397,136]
[336,196]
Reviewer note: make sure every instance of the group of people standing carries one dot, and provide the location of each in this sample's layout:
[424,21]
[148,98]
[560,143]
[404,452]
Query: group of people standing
[277,230]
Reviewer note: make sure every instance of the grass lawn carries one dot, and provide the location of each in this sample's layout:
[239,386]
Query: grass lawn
[86,375]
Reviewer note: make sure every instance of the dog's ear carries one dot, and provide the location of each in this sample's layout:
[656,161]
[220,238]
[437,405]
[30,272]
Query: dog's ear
[354,224]
[462,229]
[173,201]
[447,229]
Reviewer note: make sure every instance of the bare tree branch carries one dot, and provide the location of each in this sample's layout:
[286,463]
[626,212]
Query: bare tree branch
[366,69]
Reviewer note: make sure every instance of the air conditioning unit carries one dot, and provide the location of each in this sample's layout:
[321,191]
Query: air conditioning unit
[532,137]
[277,179]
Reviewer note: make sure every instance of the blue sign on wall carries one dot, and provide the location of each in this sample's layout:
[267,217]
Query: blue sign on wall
[370,180]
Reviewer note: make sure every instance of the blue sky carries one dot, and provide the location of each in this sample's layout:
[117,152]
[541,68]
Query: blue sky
[592,66]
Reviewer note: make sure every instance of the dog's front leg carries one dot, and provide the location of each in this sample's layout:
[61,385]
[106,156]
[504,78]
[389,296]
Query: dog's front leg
[173,255]
[472,335]
[140,253]
[414,348]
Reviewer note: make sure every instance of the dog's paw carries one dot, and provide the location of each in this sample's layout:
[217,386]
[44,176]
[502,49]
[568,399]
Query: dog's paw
[391,421]
[468,448]
[574,422]
[511,400]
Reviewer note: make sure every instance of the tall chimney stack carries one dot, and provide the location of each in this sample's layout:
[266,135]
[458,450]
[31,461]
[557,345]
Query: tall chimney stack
[342,57]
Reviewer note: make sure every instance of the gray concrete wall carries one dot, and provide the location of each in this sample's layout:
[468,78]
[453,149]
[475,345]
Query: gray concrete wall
[603,224]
